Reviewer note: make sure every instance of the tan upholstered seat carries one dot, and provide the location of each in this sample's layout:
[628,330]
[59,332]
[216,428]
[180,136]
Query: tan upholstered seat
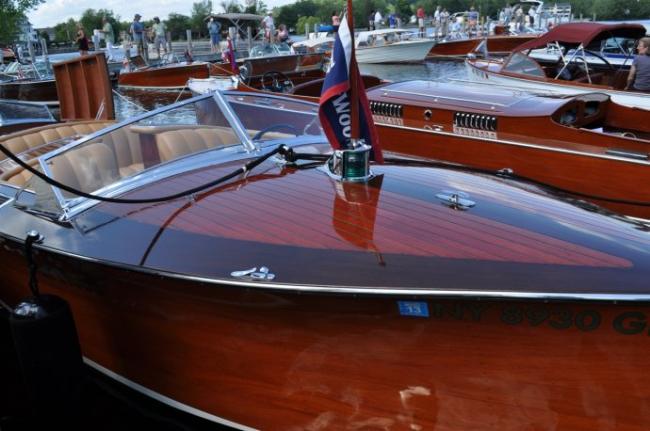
[173,144]
[87,168]
[33,138]
[126,146]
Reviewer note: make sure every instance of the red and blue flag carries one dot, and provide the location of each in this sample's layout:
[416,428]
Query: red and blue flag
[229,55]
[334,111]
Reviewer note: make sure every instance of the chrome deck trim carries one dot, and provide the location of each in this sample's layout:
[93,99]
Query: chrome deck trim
[163,399]
[371,290]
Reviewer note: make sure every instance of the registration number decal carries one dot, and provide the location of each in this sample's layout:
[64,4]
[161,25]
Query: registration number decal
[551,316]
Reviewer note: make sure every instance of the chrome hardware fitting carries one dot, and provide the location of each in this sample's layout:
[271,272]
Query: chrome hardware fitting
[505,172]
[386,109]
[475,121]
[456,200]
[35,237]
[254,274]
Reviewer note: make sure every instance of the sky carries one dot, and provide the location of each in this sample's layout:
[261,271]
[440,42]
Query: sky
[53,12]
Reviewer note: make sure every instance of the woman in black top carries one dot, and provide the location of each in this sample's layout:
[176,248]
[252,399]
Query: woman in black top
[82,40]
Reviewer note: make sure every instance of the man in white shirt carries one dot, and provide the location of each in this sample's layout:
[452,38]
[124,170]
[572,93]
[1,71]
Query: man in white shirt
[269,27]
[378,19]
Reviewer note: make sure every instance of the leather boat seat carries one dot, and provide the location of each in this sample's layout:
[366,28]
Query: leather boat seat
[32,139]
[173,144]
[87,168]
[126,146]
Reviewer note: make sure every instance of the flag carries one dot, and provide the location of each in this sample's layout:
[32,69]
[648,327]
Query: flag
[334,109]
[230,56]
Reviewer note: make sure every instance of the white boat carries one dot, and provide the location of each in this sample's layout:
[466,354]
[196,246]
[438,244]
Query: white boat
[568,77]
[390,45]
[209,85]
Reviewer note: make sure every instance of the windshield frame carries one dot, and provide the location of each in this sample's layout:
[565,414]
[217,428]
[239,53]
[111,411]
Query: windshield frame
[72,207]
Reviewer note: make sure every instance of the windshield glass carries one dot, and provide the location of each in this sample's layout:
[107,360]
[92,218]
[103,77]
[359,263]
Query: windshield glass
[268,49]
[147,143]
[11,111]
[222,124]
[267,118]
[519,63]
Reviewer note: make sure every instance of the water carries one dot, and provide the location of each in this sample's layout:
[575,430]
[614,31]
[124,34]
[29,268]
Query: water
[430,70]
[129,103]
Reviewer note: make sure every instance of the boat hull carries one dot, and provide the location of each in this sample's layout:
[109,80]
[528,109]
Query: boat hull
[403,52]
[572,169]
[40,92]
[172,77]
[347,361]
[498,45]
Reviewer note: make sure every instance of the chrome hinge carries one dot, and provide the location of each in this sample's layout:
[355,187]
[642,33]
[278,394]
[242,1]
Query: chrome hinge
[254,274]
[456,200]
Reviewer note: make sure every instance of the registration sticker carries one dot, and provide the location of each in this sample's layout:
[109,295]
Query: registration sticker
[413,308]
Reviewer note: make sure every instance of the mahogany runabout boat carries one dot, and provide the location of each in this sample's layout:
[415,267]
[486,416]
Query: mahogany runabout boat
[574,73]
[260,71]
[30,90]
[167,76]
[15,116]
[584,144]
[280,297]
[497,45]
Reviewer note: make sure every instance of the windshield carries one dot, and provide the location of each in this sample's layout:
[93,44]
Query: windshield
[13,111]
[521,64]
[266,118]
[268,49]
[221,125]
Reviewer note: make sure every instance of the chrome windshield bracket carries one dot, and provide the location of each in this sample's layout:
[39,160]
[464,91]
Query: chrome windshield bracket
[237,126]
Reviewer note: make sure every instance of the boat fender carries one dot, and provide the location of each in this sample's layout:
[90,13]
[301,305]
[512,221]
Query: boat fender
[12,397]
[48,351]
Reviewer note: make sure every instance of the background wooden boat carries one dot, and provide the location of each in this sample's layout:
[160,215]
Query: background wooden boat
[520,70]
[16,116]
[497,45]
[536,137]
[31,91]
[170,76]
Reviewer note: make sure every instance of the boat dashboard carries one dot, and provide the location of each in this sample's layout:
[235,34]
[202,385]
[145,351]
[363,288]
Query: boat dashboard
[583,111]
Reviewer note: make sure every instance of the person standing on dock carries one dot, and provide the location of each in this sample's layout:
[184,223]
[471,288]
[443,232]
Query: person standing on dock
[109,37]
[378,19]
[336,21]
[473,21]
[159,37]
[214,28]
[82,40]
[436,21]
[137,32]
[420,16]
[444,20]
[269,27]
[639,77]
